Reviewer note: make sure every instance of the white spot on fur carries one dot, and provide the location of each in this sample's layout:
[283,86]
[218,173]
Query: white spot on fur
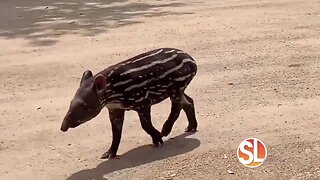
[115,95]
[122,82]
[150,55]
[139,100]
[182,78]
[169,51]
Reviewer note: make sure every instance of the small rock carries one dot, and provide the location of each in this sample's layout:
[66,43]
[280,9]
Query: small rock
[225,156]
[173,175]
[38,108]
[231,84]
[230,172]
[69,144]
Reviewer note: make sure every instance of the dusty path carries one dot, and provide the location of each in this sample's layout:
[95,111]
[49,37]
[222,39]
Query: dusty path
[259,76]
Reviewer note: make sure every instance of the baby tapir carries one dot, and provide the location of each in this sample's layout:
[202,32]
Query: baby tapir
[136,84]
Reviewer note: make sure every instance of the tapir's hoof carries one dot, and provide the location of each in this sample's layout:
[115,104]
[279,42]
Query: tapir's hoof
[191,129]
[157,142]
[109,155]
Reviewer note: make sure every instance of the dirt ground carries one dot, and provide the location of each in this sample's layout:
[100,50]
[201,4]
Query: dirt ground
[258,76]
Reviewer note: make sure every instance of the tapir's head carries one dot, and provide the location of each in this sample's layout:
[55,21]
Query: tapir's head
[87,102]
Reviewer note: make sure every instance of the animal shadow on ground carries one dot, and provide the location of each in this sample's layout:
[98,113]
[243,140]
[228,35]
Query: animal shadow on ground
[139,156]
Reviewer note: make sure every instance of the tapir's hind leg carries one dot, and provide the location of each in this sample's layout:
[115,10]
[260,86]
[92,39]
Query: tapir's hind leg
[180,101]
[174,114]
[190,112]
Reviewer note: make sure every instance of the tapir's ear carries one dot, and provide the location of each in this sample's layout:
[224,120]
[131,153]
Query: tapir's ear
[87,74]
[100,82]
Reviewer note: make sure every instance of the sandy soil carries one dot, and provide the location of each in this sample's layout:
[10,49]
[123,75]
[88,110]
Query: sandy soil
[259,76]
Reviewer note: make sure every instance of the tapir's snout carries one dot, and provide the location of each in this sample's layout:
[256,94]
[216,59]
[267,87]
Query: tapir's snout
[65,123]
[64,126]
[70,121]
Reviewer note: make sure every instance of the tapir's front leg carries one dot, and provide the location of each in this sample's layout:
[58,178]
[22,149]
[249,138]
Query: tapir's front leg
[116,117]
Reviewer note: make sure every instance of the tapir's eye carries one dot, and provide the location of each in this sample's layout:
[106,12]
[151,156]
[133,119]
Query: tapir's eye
[86,107]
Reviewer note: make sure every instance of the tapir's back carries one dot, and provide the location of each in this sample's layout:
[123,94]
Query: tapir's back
[150,77]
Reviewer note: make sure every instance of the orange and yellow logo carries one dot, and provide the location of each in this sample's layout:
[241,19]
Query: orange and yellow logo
[252,152]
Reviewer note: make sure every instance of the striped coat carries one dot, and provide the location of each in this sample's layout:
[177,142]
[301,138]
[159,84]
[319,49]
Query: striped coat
[148,78]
